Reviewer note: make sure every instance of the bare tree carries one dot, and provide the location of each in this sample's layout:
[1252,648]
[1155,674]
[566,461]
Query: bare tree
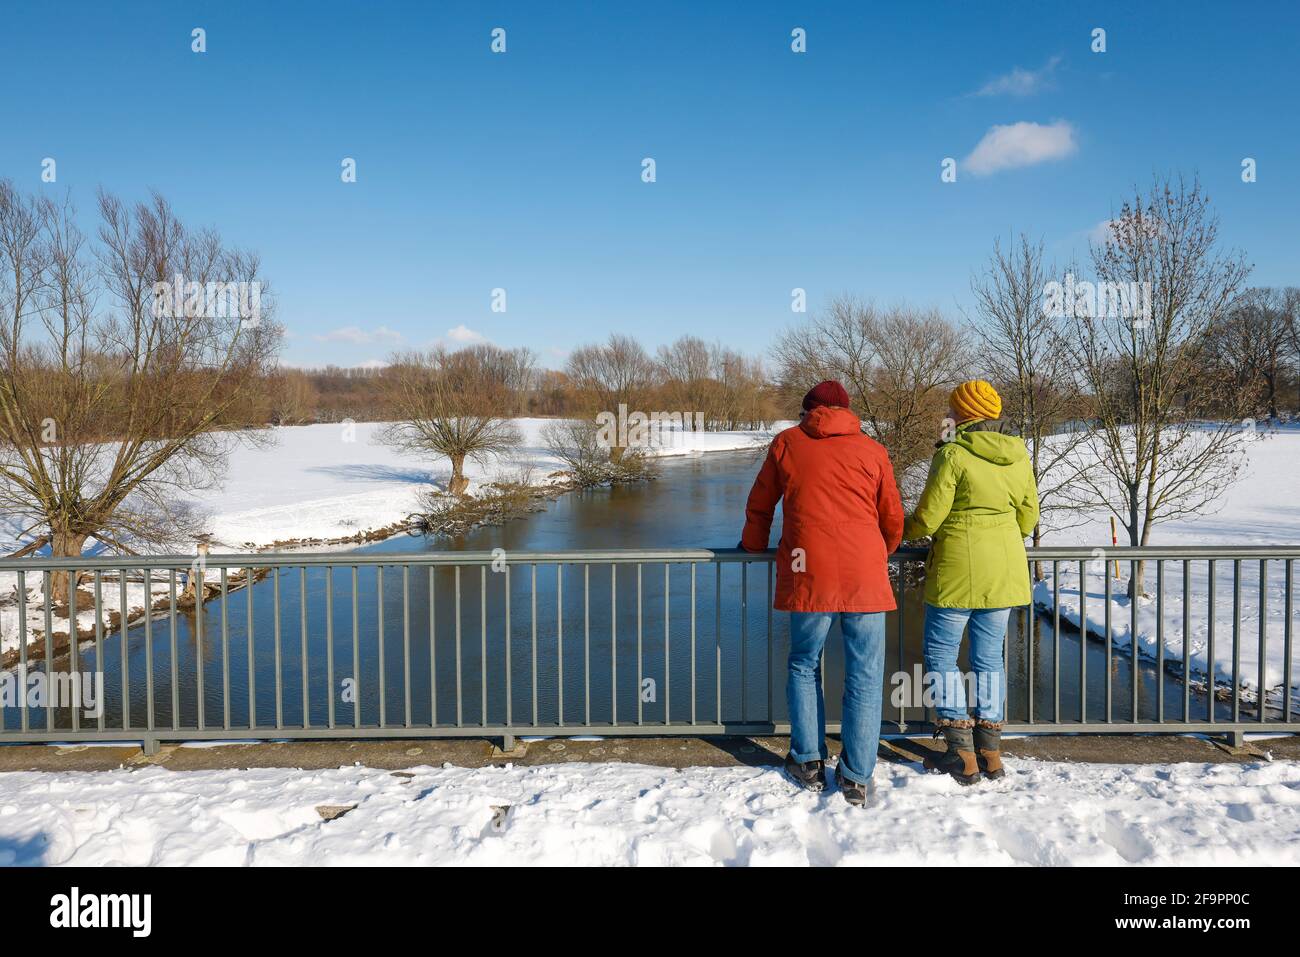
[617,373]
[109,391]
[1254,343]
[453,404]
[1160,455]
[1024,351]
[898,364]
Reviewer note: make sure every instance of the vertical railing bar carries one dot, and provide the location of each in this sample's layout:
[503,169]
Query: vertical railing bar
[1083,642]
[482,651]
[1187,644]
[1210,655]
[1133,635]
[303,650]
[406,645]
[559,640]
[122,620]
[249,576]
[1056,641]
[769,598]
[460,703]
[1160,641]
[902,707]
[329,645]
[148,647]
[379,622]
[1287,649]
[99,636]
[693,651]
[744,642]
[1236,640]
[717,640]
[586,643]
[640,707]
[613,642]
[225,648]
[23,718]
[509,640]
[1029,628]
[668,661]
[171,611]
[47,587]
[356,650]
[433,645]
[279,673]
[1110,658]
[74,644]
[199,578]
[534,642]
[1262,693]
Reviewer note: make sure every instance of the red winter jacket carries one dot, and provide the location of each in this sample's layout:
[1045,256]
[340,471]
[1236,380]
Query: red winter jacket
[842,515]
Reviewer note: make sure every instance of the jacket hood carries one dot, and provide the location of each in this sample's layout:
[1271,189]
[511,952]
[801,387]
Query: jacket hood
[827,420]
[983,441]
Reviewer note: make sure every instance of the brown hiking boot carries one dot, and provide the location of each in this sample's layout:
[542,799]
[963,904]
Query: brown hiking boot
[988,748]
[959,760]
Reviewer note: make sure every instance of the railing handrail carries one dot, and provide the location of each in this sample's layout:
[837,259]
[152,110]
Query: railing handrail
[605,556]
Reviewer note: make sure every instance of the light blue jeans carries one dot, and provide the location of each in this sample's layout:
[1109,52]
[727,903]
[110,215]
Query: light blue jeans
[864,678]
[988,630]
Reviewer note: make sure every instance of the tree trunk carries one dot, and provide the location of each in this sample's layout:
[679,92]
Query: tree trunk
[458,482]
[64,544]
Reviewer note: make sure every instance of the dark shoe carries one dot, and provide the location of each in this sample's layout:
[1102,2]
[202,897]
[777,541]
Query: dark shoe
[809,775]
[854,793]
[988,749]
[959,760]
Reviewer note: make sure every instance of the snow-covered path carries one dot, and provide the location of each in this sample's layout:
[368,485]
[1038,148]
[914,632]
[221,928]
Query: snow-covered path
[601,814]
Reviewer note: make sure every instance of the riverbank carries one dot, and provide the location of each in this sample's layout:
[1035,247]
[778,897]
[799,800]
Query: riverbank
[1260,508]
[655,801]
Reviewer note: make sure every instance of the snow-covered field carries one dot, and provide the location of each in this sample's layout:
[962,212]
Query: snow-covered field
[1262,508]
[585,814]
[323,482]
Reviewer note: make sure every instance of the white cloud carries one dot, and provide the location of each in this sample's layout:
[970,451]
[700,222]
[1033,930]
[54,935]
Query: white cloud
[1021,144]
[463,335]
[1101,232]
[355,335]
[1021,82]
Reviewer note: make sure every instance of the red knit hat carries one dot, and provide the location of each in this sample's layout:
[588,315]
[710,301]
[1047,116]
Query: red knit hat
[829,392]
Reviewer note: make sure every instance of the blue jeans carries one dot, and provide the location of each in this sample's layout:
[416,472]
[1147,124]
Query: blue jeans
[988,630]
[864,677]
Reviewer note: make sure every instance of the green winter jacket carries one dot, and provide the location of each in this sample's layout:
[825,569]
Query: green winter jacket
[979,504]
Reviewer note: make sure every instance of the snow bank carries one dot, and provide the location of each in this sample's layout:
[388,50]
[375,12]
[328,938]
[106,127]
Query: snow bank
[584,814]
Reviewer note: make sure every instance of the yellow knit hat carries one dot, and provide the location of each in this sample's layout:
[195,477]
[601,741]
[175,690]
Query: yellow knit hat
[975,399]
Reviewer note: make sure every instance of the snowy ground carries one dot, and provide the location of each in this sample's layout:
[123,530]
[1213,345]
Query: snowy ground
[324,482]
[584,814]
[1262,508]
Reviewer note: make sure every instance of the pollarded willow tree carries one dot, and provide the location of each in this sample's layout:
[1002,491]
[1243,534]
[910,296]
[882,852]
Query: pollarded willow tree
[1168,436]
[111,392]
[453,404]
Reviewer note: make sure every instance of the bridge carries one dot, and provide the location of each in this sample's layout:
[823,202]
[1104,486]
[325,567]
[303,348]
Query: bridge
[610,642]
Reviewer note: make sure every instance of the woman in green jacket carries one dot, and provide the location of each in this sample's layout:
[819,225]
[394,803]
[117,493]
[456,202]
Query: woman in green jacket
[979,504]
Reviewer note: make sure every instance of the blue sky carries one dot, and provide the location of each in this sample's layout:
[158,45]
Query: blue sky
[522,170]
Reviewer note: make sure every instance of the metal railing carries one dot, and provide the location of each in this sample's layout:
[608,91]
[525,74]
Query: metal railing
[615,642]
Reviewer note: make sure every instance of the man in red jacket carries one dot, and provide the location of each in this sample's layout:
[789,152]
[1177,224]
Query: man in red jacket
[842,518]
